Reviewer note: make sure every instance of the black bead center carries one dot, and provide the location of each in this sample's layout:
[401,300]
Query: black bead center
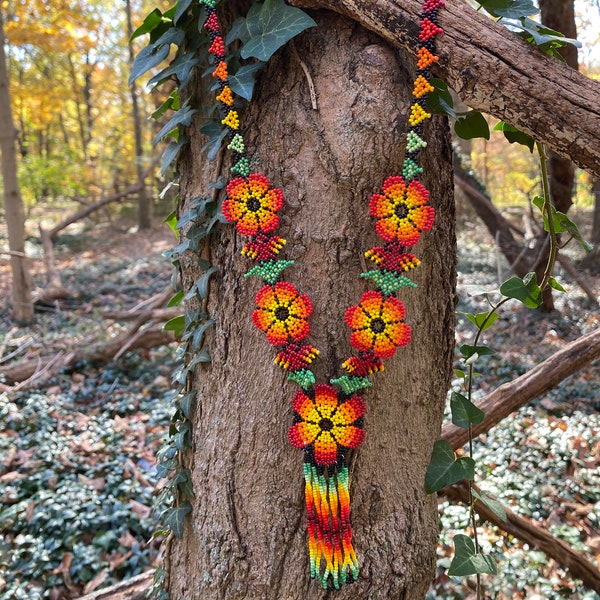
[326,424]
[282,313]
[377,325]
[253,204]
[401,210]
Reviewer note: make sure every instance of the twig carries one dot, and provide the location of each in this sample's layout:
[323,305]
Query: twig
[309,80]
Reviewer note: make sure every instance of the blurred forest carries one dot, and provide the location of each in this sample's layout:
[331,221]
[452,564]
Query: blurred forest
[85,386]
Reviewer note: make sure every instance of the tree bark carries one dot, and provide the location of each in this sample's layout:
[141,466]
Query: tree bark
[496,72]
[595,233]
[22,308]
[246,537]
[144,200]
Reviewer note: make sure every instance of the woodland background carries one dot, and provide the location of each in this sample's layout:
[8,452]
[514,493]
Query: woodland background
[85,387]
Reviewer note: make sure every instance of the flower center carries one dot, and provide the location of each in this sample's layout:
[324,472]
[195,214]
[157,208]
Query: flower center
[326,424]
[253,204]
[377,325]
[282,313]
[401,210]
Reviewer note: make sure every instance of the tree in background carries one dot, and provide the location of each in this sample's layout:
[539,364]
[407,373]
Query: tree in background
[13,204]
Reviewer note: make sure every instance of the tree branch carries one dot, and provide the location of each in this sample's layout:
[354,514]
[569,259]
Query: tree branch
[543,377]
[495,71]
[534,535]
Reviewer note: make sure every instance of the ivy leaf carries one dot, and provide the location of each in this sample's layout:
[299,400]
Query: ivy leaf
[464,412]
[175,517]
[148,58]
[216,134]
[176,325]
[182,6]
[181,68]
[467,562]
[467,350]
[151,22]
[479,290]
[182,117]
[440,100]
[445,469]
[171,152]
[525,290]
[493,504]
[176,299]
[562,223]
[202,283]
[482,321]
[509,8]
[472,125]
[171,221]
[242,83]
[555,285]
[515,136]
[277,24]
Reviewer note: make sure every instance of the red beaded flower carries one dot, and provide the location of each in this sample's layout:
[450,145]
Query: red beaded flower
[377,324]
[282,313]
[402,211]
[328,422]
[252,204]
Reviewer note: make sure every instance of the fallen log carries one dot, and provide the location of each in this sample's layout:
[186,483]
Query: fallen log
[534,535]
[31,372]
[135,588]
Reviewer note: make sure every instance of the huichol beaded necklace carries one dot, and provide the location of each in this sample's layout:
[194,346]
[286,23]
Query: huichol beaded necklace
[328,417]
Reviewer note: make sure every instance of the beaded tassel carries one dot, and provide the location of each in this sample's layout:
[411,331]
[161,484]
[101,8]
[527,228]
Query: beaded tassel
[328,421]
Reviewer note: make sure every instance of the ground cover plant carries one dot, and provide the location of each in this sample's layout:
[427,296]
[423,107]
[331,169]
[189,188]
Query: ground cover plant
[78,476]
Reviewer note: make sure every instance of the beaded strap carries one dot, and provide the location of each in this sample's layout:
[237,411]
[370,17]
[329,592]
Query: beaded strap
[328,417]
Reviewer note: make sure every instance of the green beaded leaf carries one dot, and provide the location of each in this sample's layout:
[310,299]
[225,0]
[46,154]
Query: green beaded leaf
[351,384]
[411,170]
[269,270]
[304,378]
[388,281]
[242,167]
[413,142]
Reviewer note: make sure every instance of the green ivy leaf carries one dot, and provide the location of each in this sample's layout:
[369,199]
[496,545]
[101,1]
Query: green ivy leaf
[561,223]
[525,290]
[176,299]
[445,469]
[171,221]
[555,285]
[171,152]
[467,350]
[467,562]
[464,412]
[482,321]
[202,283]
[515,136]
[440,100]
[242,82]
[493,504]
[181,68]
[509,8]
[215,133]
[176,325]
[174,518]
[151,22]
[182,117]
[472,125]
[181,9]
[277,24]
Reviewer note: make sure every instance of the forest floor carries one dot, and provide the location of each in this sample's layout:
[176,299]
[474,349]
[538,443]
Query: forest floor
[77,454]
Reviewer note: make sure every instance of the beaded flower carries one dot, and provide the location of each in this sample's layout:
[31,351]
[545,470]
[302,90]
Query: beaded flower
[282,313]
[377,324]
[402,211]
[328,423]
[252,204]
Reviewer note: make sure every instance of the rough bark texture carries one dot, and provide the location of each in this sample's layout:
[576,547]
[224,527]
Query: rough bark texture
[13,204]
[595,233]
[496,72]
[246,537]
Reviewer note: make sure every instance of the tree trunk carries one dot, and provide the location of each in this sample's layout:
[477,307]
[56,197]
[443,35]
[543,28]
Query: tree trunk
[144,200]
[13,204]
[246,537]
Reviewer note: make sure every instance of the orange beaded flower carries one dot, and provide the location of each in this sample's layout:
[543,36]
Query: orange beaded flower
[282,313]
[328,423]
[252,204]
[377,324]
[402,211]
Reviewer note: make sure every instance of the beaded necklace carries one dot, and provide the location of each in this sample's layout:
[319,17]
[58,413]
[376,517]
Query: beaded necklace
[328,417]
